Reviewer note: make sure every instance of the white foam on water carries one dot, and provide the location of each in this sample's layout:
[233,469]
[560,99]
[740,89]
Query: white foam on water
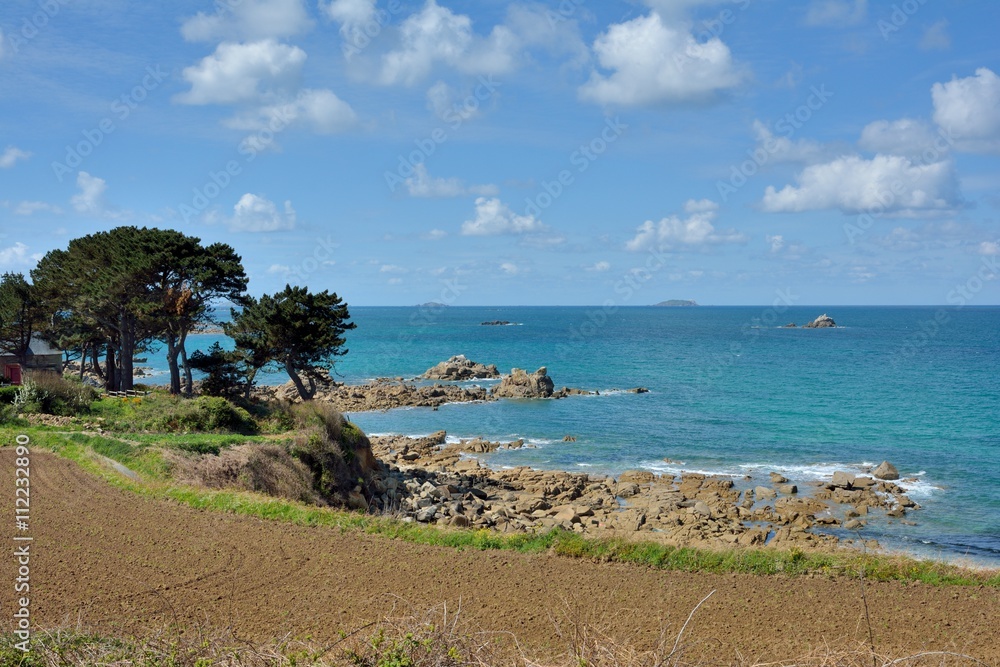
[678,469]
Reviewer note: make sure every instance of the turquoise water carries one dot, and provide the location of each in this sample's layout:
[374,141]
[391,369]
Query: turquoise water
[730,393]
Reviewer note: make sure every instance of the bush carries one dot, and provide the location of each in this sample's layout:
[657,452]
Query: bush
[8,394]
[49,393]
[206,413]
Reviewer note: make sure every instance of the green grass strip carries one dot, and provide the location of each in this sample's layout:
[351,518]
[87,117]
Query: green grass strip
[82,449]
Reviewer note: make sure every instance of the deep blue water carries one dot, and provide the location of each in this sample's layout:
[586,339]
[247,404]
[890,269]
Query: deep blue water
[730,393]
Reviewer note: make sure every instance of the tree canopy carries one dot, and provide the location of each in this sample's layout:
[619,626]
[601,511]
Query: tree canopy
[294,329]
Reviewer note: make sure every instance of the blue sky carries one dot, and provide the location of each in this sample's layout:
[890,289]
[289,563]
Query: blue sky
[556,152]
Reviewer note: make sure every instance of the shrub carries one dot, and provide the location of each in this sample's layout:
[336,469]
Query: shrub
[206,413]
[49,393]
[8,394]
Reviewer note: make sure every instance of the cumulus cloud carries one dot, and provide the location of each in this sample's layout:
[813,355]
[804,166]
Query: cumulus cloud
[350,14]
[695,230]
[243,72]
[493,218]
[936,37]
[853,184]
[279,268]
[257,214]
[655,62]
[836,12]
[434,235]
[510,268]
[436,35]
[32,207]
[783,149]
[989,248]
[17,256]
[90,199]
[321,111]
[248,20]
[969,109]
[599,267]
[905,136]
[422,184]
[11,155]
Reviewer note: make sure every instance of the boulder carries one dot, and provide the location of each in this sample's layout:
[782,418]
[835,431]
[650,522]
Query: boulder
[519,384]
[569,438]
[788,489]
[821,322]
[764,493]
[460,368]
[886,470]
[637,476]
[778,479]
[842,480]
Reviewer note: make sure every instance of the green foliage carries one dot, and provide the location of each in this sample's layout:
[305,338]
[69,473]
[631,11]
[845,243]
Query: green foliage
[21,313]
[293,329]
[8,394]
[222,372]
[165,413]
[49,393]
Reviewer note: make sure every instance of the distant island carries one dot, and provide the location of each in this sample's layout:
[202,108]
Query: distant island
[677,302]
[432,304]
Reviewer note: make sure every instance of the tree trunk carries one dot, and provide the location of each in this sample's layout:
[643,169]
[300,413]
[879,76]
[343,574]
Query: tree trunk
[95,353]
[188,379]
[127,358]
[111,379]
[297,381]
[175,373]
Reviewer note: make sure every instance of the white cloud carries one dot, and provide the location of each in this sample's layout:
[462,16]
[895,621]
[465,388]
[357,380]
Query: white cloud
[434,235]
[889,183]
[653,62]
[969,109]
[392,268]
[32,207]
[90,199]
[321,111]
[17,256]
[988,248]
[693,231]
[279,268]
[257,214]
[11,155]
[435,35]
[776,242]
[936,37]
[836,12]
[783,149]
[905,137]
[494,217]
[395,281]
[422,184]
[350,14]
[510,268]
[599,267]
[243,72]
[248,20]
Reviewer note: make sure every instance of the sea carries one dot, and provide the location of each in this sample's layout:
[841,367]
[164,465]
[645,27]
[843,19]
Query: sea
[732,392]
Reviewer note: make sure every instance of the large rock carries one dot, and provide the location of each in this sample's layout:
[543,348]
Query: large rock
[886,470]
[842,480]
[821,322]
[460,368]
[519,384]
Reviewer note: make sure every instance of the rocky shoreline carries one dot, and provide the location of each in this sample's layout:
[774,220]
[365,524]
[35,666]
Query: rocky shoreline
[430,480]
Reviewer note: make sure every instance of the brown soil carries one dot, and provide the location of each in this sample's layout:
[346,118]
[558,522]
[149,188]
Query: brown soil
[120,563]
